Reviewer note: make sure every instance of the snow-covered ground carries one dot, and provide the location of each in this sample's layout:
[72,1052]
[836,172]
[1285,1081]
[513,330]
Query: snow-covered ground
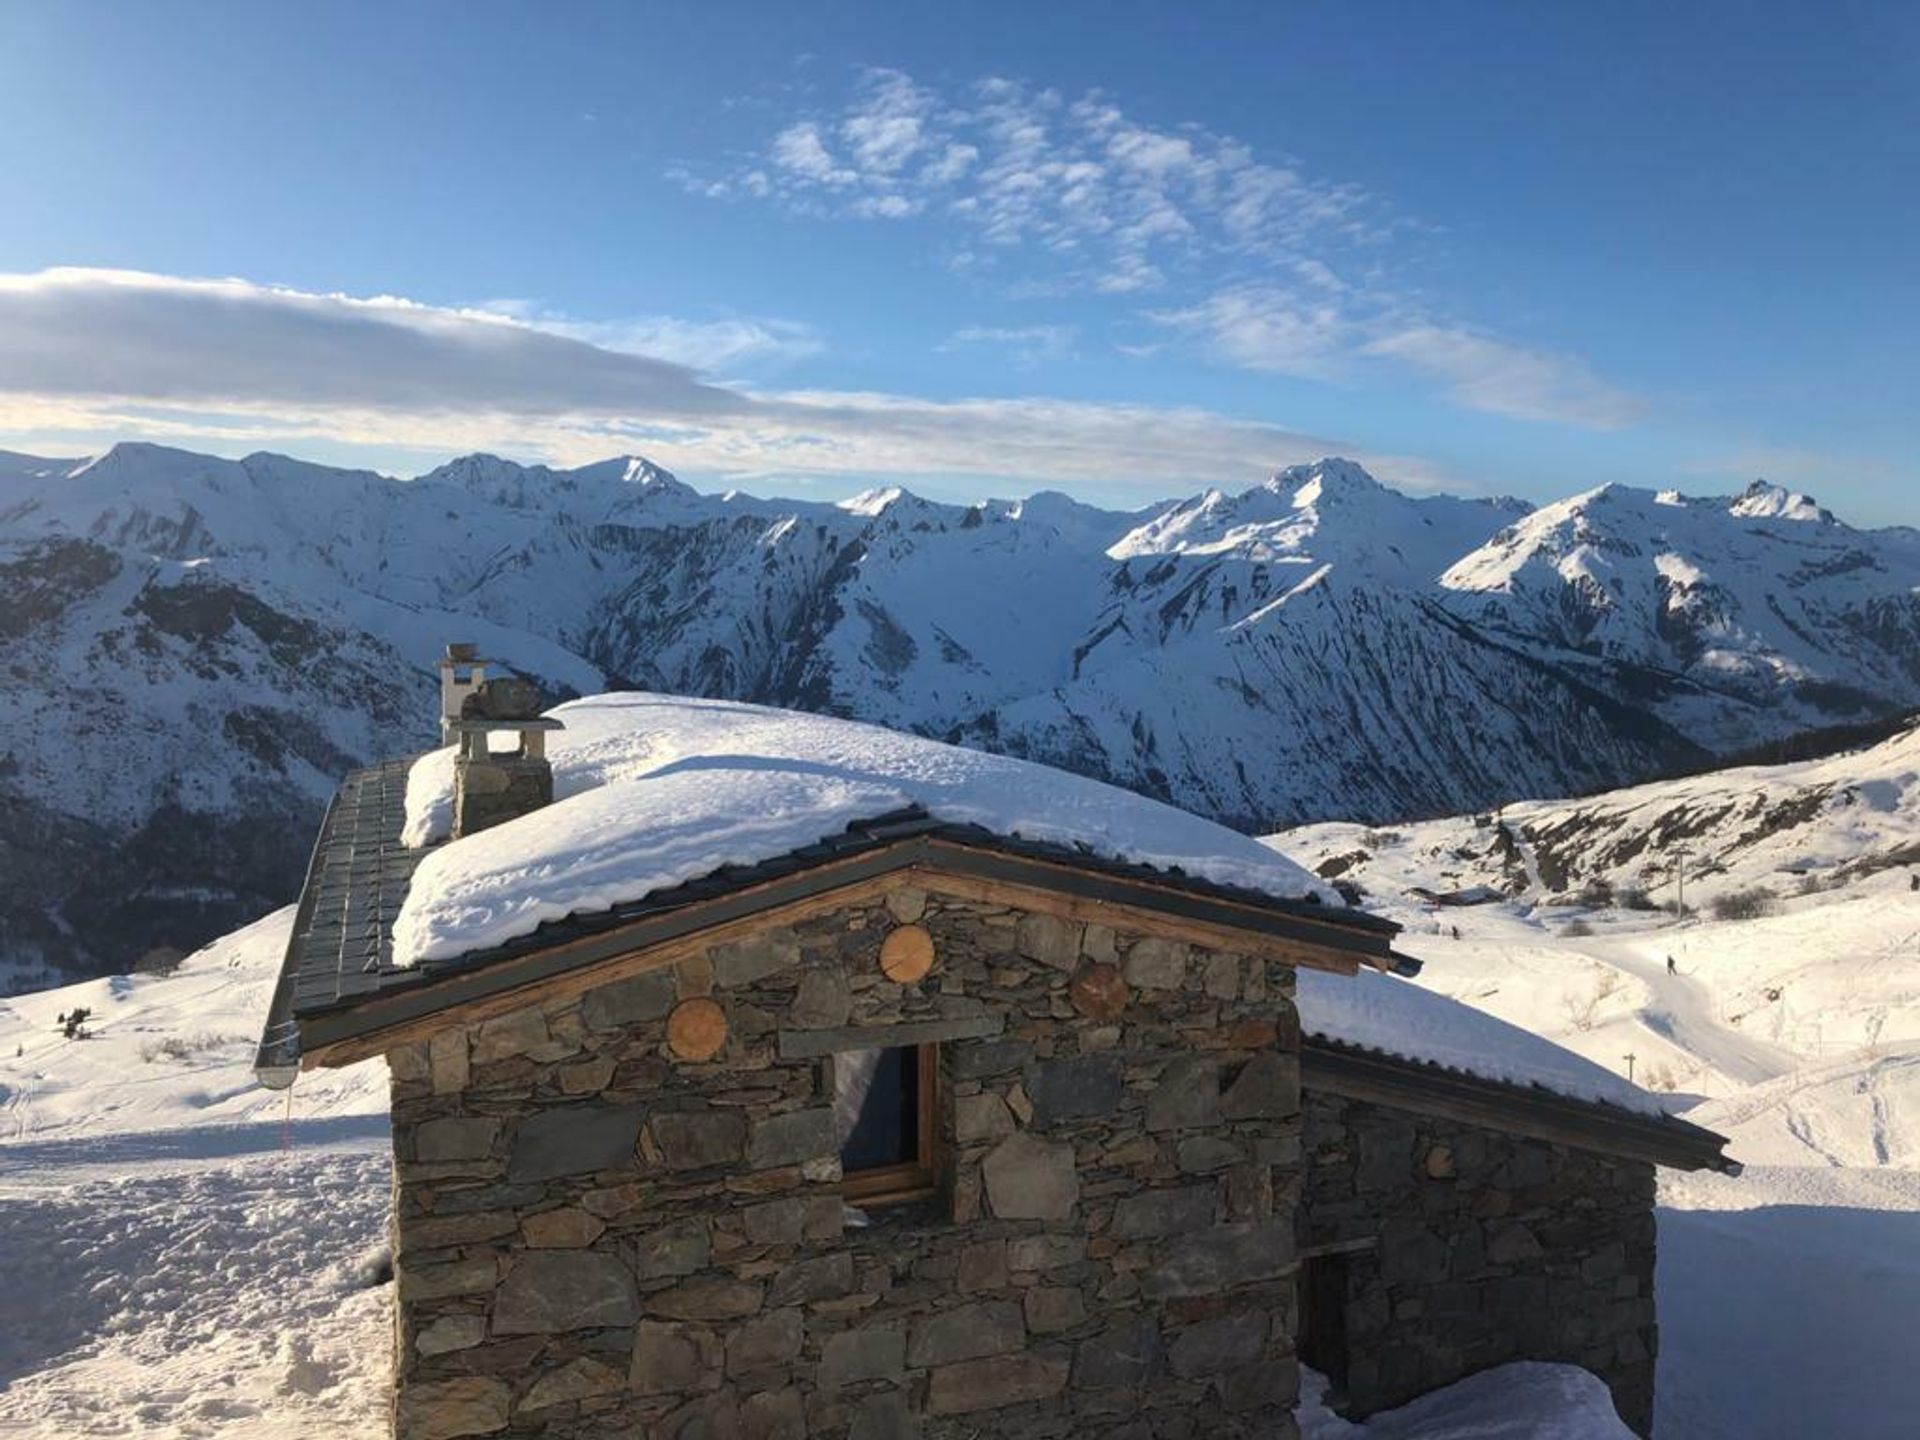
[181,1257]
[1789,1295]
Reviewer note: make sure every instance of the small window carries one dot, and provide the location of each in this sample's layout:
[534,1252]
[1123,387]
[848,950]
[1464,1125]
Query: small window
[883,1110]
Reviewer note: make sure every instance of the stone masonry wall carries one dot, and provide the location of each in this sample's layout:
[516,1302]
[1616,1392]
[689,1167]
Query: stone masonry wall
[1490,1247]
[594,1238]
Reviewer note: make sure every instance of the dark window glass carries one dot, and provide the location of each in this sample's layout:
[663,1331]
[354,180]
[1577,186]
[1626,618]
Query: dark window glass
[877,1106]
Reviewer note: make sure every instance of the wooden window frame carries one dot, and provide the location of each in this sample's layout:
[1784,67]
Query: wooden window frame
[915,1179]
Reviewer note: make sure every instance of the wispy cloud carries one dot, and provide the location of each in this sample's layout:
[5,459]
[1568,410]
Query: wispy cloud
[111,352]
[1270,327]
[1115,202]
[1025,345]
[1248,256]
[1484,373]
[728,343]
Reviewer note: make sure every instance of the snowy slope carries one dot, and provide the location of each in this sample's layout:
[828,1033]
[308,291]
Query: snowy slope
[197,647]
[184,1254]
[1789,1295]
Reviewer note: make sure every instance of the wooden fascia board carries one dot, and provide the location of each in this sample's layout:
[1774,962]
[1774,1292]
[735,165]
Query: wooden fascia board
[382,1022]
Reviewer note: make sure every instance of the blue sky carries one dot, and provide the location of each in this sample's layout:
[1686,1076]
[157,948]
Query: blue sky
[1116,249]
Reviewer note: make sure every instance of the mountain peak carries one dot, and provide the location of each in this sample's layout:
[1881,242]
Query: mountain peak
[1765,501]
[1328,478]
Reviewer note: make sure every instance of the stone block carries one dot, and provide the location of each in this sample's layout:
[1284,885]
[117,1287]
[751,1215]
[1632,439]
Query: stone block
[906,904]
[680,1247]
[1267,1088]
[581,1378]
[576,1138]
[873,1352]
[567,1228]
[1156,964]
[1225,1342]
[772,1338]
[614,1202]
[666,1359]
[1051,1309]
[697,1139]
[1080,1089]
[1163,1212]
[773,1415]
[983,1266]
[824,1277]
[1031,1179]
[450,1333]
[438,1282]
[1126,1352]
[1187,1097]
[520,1033]
[455,1137]
[744,962]
[1028,1254]
[711,1417]
[824,1000]
[447,1060]
[1207,1155]
[549,1291]
[1221,976]
[442,1232]
[791,1139]
[711,1298]
[983,1059]
[967,1332]
[981,1117]
[776,1222]
[1049,940]
[1512,1243]
[884,1416]
[586,1077]
[447,1409]
[637,1000]
[990,1384]
[1215,1260]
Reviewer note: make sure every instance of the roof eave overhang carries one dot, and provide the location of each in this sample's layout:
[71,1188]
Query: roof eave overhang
[444,993]
[1357,1073]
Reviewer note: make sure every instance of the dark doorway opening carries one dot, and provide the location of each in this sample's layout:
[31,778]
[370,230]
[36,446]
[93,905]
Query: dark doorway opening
[1323,1322]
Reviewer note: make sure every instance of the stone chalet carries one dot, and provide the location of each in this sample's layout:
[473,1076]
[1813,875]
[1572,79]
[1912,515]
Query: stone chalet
[921,1128]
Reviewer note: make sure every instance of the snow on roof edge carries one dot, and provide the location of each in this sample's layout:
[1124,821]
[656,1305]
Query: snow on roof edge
[652,791]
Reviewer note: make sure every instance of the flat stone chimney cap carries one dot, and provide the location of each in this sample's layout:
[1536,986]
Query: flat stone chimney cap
[482,727]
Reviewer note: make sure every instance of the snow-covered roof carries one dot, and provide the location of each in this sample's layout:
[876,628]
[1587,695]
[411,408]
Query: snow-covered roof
[653,791]
[1399,1018]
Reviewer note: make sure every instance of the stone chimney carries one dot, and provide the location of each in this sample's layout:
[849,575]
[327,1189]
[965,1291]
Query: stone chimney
[462,672]
[493,786]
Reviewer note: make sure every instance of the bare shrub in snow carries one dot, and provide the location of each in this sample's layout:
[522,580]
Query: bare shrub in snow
[1582,1009]
[181,1047]
[1634,897]
[1743,904]
[1661,1077]
[1575,929]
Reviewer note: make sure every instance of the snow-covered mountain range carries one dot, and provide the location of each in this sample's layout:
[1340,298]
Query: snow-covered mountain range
[196,648]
